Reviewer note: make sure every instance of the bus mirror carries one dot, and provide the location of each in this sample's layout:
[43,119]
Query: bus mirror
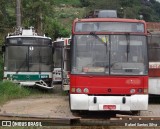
[3,49]
[69,42]
[53,50]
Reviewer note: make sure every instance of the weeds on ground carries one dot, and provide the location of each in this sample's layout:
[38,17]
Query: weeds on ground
[9,90]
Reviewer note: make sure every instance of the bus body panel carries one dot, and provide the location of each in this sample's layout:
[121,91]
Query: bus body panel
[154,85]
[154,72]
[60,46]
[154,60]
[66,61]
[109,84]
[86,102]
[57,77]
[27,75]
[154,78]
[42,79]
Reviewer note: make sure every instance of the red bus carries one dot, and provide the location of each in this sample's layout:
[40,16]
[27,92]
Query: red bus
[109,65]
[154,62]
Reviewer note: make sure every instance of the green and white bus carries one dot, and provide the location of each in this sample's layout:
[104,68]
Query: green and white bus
[28,59]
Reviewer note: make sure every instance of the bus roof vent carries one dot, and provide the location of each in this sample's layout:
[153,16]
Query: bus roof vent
[107,14]
[29,32]
[60,39]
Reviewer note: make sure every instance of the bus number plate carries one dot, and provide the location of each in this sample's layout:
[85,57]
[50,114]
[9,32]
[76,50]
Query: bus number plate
[109,107]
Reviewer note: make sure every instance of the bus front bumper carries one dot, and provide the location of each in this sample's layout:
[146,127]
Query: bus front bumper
[40,83]
[116,103]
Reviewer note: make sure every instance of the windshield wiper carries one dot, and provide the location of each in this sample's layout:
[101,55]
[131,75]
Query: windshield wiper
[40,58]
[128,44]
[93,33]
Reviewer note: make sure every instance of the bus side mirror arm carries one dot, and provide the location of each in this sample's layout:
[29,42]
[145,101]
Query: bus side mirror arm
[53,65]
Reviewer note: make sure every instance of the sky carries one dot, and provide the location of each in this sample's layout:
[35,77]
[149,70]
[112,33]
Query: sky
[158,0]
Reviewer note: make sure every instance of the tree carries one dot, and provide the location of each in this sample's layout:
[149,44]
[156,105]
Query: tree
[146,12]
[5,17]
[54,29]
[35,13]
[85,3]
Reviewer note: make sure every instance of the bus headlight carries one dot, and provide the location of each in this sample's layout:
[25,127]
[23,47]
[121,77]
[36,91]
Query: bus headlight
[132,91]
[140,90]
[73,90]
[86,90]
[78,90]
[145,91]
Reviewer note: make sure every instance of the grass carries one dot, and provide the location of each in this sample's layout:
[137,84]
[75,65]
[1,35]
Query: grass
[9,91]
[67,2]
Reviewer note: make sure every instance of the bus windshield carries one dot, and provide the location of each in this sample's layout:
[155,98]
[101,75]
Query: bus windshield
[30,59]
[113,54]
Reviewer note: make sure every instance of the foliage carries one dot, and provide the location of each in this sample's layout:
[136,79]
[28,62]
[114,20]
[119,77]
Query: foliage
[9,91]
[41,15]
[35,13]
[1,68]
[60,13]
[54,29]
[46,15]
[7,19]
[62,3]
[128,8]
[85,3]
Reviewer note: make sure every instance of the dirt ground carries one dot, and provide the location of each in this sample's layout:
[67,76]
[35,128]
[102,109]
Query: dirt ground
[53,105]
[56,105]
